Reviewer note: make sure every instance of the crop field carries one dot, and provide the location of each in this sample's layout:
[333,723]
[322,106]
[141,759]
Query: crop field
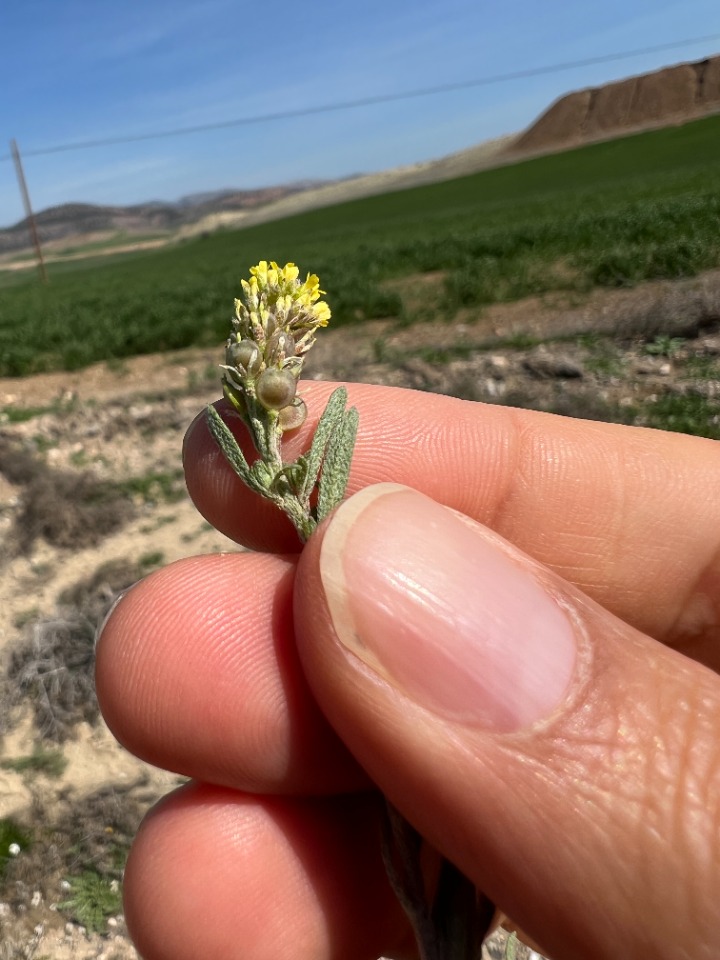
[607,215]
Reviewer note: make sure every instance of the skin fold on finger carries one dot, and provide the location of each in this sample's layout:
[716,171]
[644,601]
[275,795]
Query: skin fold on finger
[214,873]
[629,515]
[595,830]
[197,672]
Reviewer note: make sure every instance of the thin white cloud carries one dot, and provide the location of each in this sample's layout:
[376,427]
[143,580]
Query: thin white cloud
[110,173]
[133,29]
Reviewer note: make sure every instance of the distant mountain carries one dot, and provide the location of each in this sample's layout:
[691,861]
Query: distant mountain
[78,220]
[244,200]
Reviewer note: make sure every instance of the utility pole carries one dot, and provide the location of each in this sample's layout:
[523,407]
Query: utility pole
[32,226]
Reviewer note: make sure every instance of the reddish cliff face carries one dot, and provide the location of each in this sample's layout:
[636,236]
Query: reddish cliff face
[672,95]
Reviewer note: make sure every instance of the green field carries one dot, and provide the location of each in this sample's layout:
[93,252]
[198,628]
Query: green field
[611,214]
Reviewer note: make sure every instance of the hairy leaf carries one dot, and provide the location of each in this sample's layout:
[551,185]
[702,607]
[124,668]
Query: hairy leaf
[229,446]
[329,421]
[336,465]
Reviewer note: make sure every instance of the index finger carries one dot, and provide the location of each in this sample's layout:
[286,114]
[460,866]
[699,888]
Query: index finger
[630,515]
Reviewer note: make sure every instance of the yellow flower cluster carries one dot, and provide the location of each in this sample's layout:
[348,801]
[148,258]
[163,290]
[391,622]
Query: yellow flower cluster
[275,297]
[274,326]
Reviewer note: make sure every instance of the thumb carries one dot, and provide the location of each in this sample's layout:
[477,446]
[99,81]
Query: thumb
[565,762]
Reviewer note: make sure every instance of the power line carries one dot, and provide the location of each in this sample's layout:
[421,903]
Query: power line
[364,101]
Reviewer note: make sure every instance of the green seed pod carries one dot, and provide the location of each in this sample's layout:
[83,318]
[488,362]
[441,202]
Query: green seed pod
[244,355]
[275,388]
[279,346]
[293,416]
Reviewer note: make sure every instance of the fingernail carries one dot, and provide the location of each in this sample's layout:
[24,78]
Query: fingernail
[431,602]
[109,612]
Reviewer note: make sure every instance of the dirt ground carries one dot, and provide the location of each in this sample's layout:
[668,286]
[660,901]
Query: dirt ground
[111,436]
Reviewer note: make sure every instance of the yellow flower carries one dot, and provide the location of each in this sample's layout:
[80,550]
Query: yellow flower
[273,277]
[322,313]
[260,274]
[294,303]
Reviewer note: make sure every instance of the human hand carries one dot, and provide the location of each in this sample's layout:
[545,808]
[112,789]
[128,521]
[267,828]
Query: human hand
[511,704]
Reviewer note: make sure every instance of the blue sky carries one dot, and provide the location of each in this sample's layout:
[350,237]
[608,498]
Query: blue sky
[89,69]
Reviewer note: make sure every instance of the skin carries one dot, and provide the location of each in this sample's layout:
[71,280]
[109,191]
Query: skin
[598,835]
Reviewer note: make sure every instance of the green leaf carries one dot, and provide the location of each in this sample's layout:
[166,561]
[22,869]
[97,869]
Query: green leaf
[511,947]
[262,475]
[235,399]
[336,465]
[293,474]
[229,446]
[329,421]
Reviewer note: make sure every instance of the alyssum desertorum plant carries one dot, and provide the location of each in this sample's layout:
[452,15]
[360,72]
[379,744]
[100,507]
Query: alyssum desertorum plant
[274,326]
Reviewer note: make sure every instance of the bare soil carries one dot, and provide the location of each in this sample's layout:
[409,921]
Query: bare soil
[112,436]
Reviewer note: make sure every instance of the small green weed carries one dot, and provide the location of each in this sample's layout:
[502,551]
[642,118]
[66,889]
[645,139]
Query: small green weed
[602,358]
[22,414]
[702,367]
[685,414]
[154,487]
[94,899]
[52,763]
[79,458]
[664,346]
[162,521]
[13,414]
[150,561]
[42,443]
[204,527]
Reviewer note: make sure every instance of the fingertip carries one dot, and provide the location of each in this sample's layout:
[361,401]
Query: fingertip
[217,873]
[197,672]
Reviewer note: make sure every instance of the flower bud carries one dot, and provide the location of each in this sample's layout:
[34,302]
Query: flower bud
[243,354]
[279,346]
[293,416]
[276,388]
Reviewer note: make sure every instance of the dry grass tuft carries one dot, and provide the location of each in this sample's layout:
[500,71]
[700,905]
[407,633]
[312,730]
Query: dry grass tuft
[67,510]
[53,666]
